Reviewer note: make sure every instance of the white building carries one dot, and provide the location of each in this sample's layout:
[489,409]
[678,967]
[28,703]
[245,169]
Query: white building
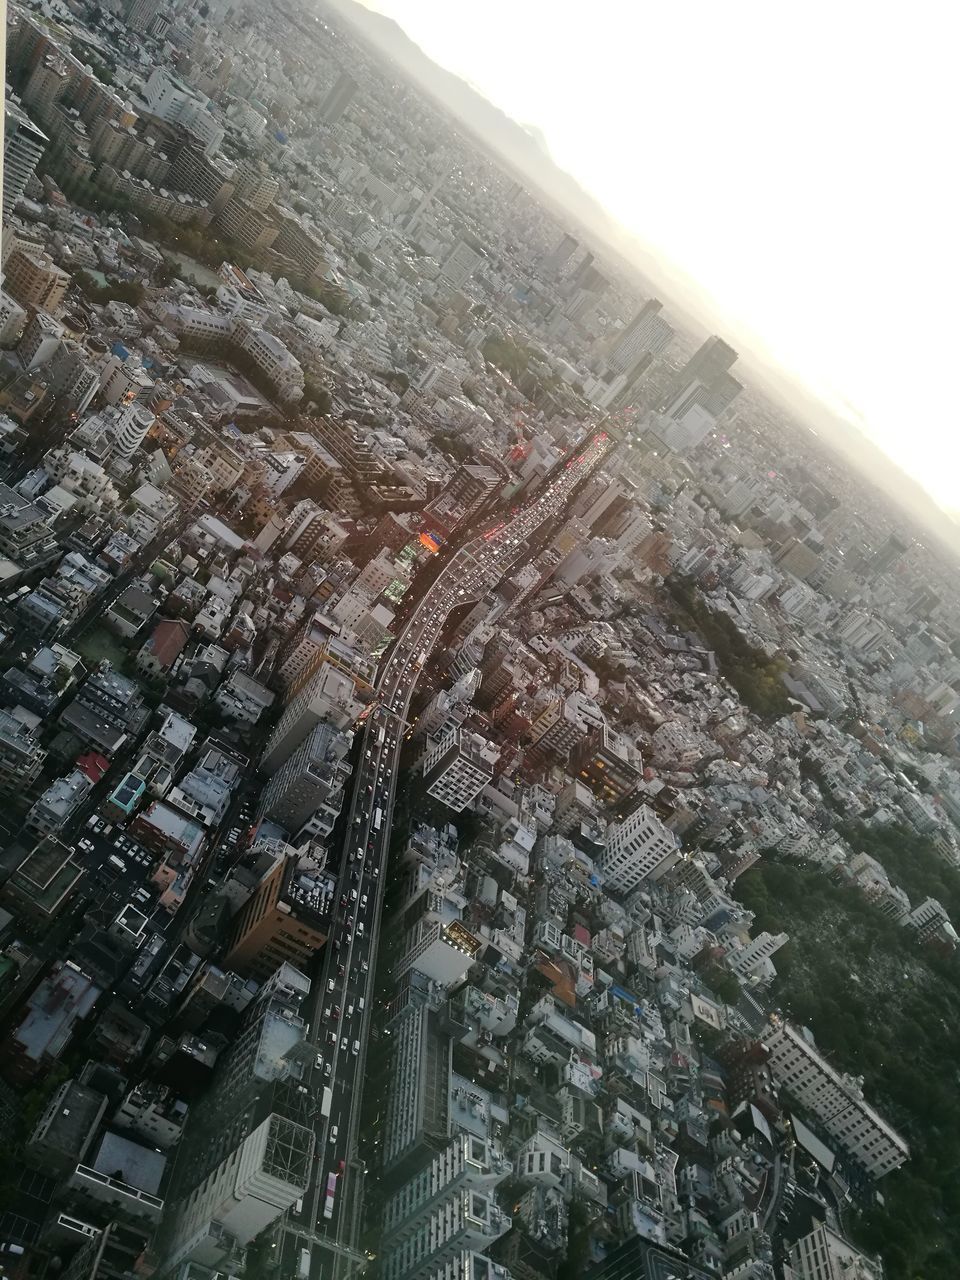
[753,959]
[824,1255]
[835,1099]
[175,102]
[637,849]
[273,360]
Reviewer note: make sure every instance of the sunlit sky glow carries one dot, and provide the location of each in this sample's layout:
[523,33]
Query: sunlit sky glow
[798,161]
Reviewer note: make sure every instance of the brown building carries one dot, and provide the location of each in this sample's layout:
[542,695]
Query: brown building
[35,280]
[280,922]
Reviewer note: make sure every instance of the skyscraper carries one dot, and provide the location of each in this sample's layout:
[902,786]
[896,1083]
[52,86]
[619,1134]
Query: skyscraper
[636,848]
[646,334]
[422,1229]
[23,145]
[704,378]
[282,921]
[559,256]
[248,1148]
[338,99]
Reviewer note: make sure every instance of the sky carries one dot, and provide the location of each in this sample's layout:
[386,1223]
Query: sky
[797,161]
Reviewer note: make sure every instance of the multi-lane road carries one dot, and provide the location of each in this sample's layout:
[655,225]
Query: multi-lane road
[322,1230]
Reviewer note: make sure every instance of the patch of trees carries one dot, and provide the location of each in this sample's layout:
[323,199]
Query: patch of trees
[887,1010]
[755,676]
[129,291]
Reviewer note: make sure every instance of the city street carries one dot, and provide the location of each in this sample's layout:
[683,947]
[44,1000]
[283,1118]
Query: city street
[329,1215]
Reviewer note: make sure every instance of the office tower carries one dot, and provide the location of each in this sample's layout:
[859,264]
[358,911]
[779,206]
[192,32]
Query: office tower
[887,555]
[582,269]
[835,1100]
[23,145]
[305,795]
[329,695]
[466,1164]
[338,99]
[640,1259]
[647,335]
[457,766]
[699,377]
[249,1144]
[139,14]
[608,762]
[559,727]
[636,849]
[559,256]
[282,921]
[825,1255]
[470,487]
[461,262]
[411,223]
[3,63]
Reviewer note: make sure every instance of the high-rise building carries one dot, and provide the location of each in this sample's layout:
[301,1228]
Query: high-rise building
[467,1164]
[887,555]
[416,1124]
[23,145]
[836,1100]
[704,378]
[755,953]
[608,762]
[461,262]
[13,319]
[470,486]
[637,848]
[560,255]
[248,1149]
[560,726]
[338,99]
[283,921]
[825,1255]
[647,334]
[305,795]
[329,696]
[640,1259]
[457,766]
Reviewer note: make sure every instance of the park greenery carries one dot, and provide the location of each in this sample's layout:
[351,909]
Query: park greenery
[886,1009]
[755,676]
[129,291]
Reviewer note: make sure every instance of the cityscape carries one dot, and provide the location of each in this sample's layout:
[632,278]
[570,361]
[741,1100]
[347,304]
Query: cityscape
[481,780]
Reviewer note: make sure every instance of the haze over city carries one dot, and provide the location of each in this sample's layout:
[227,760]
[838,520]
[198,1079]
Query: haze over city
[479,708]
[789,165]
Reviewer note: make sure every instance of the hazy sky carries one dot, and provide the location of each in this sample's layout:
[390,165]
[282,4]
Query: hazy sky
[799,161]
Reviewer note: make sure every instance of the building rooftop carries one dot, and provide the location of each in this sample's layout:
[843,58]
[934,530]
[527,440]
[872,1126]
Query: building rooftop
[130,1162]
[60,1001]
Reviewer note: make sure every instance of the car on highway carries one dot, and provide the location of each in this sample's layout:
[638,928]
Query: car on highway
[344,1043]
[319,1061]
[334,1132]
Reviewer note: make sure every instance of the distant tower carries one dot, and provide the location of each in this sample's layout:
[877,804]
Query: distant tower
[562,254]
[338,99]
[412,222]
[646,334]
[887,555]
[704,380]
